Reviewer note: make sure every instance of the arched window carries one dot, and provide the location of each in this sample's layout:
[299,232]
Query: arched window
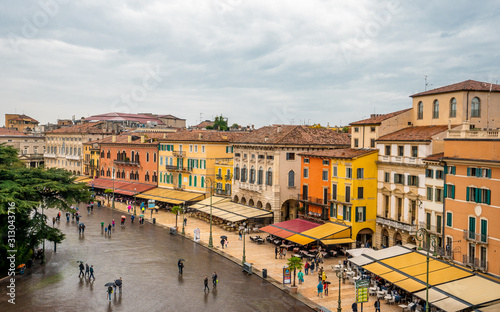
[132,156]
[102,154]
[123,174]
[453,107]
[269,176]
[202,181]
[420,112]
[155,177]
[109,154]
[146,177]
[137,157]
[108,173]
[147,157]
[475,110]
[244,173]
[291,178]
[118,155]
[435,109]
[154,157]
[102,172]
[252,175]
[136,177]
[237,172]
[124,155]
[260,176]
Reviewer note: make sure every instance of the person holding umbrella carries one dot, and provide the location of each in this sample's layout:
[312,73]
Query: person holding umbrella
[123,220]
[214,279]
[82,267]
[180,265]
[110,289]
[119,283]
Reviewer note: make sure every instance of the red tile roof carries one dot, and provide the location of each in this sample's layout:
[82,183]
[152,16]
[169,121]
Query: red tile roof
[423,133]
[203,124]
[201,136]
[9,131]
[434,157]
[88,127]
[295,135]
[340,153]
[140,118]
[468,85]
[149,138]
[25,117]
[377,119]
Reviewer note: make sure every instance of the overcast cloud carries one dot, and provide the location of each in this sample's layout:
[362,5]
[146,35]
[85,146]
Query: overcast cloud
[256,62]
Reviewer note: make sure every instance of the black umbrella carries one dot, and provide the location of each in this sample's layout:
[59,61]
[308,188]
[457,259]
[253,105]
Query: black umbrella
[118,282]
[109,284]
[79,261]
[182,260]
[328,282]
[223,237]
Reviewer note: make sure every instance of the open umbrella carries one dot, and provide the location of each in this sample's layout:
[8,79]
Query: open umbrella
[182,260]
[118,282]
[79,261]
[328,282]
[223,237]
[21,266]
[124,217]
[109,284]
[142,216]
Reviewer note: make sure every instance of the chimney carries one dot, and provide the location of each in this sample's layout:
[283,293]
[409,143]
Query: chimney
[113,138]
[278,129]
[200,136]
[129,139]
[142,139]
[265,139]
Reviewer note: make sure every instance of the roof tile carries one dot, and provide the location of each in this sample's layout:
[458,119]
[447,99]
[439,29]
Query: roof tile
[422,133]
[468,85]
[377,119]
[340,153]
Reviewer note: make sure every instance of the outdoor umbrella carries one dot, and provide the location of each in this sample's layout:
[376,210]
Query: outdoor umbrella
[142,216]
[328,282]
[21,265]
[118,282]
[223,237]
[109,284]
[79,261]
[124,217]
[182,260]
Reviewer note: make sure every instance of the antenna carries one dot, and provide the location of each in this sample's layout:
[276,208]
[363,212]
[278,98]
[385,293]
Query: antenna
[426,84]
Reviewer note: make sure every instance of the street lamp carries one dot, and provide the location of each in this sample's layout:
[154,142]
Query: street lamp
[422,236]
[113,207]
[210,240]
[183,223]
[339,272]
[244,259]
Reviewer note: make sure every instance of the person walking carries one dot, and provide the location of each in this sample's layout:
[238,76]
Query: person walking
[276,251]
[80,229]
[222,243]
[377,305]
[181,266]
[128,208]
[102,225]
[311,266]
[106,230]
[53,221]
[214,279]
[132,217]
[119,283]
[113,222]
[240,235]
[67,216]
[109,229]
[354,307]
[306,267]
[77,219]
[320,290]
[82,267]
[83,228]
[109,291]
[225,242]
[87,270]
[300,275]
[91,272]
[325,288]
[205,281]
[185,221]
[59,216]
[323,275]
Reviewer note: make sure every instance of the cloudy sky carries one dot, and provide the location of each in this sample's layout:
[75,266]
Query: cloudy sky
[256,62]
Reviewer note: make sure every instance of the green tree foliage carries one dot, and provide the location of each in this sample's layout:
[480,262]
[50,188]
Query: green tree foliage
[294,264]
[176,210]
[27,189]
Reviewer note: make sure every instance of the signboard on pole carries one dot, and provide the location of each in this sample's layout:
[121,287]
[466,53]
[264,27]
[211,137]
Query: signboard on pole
[151,203]
[287,276]
[196,235]
[362,290]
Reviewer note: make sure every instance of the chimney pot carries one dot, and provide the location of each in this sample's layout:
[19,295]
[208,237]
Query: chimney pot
[113,139]
[129,139]
[142,139]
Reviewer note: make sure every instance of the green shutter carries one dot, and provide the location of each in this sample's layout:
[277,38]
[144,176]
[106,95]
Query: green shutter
[467,194]
[477,195]
[195,180]
[356,219]
[488,197]
[453,170]
[488,173]
[452,191]
[445,169]
[449,217]
[190,180]
[484,230]
[468,171]
[472,224]
[478,172]
[445,190]
[364,213]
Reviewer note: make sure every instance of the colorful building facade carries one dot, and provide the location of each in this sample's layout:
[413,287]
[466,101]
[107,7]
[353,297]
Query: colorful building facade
[224,175]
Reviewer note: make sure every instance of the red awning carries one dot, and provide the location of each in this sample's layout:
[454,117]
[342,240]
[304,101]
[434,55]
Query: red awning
[121,187]
[288,228]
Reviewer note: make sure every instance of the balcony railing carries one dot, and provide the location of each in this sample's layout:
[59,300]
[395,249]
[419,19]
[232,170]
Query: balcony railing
[179,187]
[49,155]
[341,198]
[475,263]
[412,229]
[178,169]
[433,228]
[73,157]
[476,237]
[223,192]
[126,162]
[251,187]
[179,153]
[227,177]
[313,200]
[218,177]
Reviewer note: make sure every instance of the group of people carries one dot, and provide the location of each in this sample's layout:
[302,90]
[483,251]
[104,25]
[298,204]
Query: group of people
[107,230]
[223,242]
[89,270]
[118,283]
[215,280]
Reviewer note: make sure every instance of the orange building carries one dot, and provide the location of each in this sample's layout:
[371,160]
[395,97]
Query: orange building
[472,199]
[133,158]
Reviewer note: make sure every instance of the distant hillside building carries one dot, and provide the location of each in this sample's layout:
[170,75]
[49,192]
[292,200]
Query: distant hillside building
[21,123]
[31,148]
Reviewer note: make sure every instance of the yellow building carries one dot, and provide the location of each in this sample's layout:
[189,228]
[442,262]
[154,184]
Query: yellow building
[91,155]
[224,174]
[354,191]
[187,159]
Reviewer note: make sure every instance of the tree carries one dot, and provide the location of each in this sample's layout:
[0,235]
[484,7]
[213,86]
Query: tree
[294,263]
[23,191]
[107,192]
[176,210]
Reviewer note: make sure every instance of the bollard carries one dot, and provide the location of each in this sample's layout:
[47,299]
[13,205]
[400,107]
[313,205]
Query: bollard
[264,273]
[154,220]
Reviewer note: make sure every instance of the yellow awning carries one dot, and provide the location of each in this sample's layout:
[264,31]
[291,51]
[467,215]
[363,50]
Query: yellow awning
[83,179]
[444,275]
[405,260]
[421,268]
[338,241]
[230,211]
[450,305]
[410,285]
[474,289]
[434,295]
[326,230]
[300,239]
[171,196]
[393,277]
[377,268]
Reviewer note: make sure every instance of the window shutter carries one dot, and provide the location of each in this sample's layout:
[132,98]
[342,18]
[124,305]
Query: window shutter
[477,195]
[417,181]
[488,197]
[467,194]
[356,215]
[432,174]
[445,169]
[488,173]
[445,190]
[452,191]
[478,172]
[364,213]
[453,170]
[436,198]
[468,171]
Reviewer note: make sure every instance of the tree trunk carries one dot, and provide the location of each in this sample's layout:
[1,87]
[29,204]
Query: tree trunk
[294,274]
[176,221]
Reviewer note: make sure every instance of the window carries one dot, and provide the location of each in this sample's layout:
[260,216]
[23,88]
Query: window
[334,171]
[372,143]
[360,214]
[414,151]
[475,110]
[244,173]
[429,193]
[439,223]
[325,175]
[203,149]
[190,148]
[356,142]
[449,219]
[196,148]
[252,175]
[429,173]
[472,226]
[453,107]
[306,173]
[387,177]
[479,172]
[401,150]
[439,195]
[450,169]
[348,194]
[147,157]
[237,172]
[387,150]
[348,173]
[154,157]
[484,230]
[269,177]
[326,162]
[360,193]
[439,174]
[435,109]
[399,178]
[347,213]
[356,129]
[108,154]
[291,178]
[449,191]
[260,176]
[372,129]
[428,221]
[413,180]
[420,110]
[290,156]
[269,157]
[306,160]
[360,173]
[334,191]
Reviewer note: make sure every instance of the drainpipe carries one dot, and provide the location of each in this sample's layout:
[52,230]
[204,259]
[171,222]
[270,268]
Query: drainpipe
[467,112]
[443,241]
[363,136]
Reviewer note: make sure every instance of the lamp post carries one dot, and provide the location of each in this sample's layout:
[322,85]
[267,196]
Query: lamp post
[422,236]
[244,259]
[183,223]
[210,240]
[113,206]
[339,275]
[135,194]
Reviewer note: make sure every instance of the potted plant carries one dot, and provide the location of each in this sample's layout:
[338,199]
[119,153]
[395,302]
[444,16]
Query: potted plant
[176,210]
[294,263]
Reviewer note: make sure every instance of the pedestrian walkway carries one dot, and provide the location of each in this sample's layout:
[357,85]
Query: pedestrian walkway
[262,256]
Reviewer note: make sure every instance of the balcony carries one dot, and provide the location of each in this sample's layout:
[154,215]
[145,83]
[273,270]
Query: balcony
[431,228]
[228,177]
[341,198]
[476,237]
[179,154]
[218,177]
[412,229]
[251,187]
[73,157]
[223,192]
[178,169]
[126,162]
[313,200]
[49,155]
[475,263]
[224,161]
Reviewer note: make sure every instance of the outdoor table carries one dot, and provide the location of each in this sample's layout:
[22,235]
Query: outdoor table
[388,297]
[372,290]
[403,306]
[297,255]
[350,273]
[296,249]
[380,294]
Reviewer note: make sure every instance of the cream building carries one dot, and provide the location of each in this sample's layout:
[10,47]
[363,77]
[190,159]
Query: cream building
[31,148]
[65,145]
[267,169]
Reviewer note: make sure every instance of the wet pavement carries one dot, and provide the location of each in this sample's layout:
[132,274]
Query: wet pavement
[145,256]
